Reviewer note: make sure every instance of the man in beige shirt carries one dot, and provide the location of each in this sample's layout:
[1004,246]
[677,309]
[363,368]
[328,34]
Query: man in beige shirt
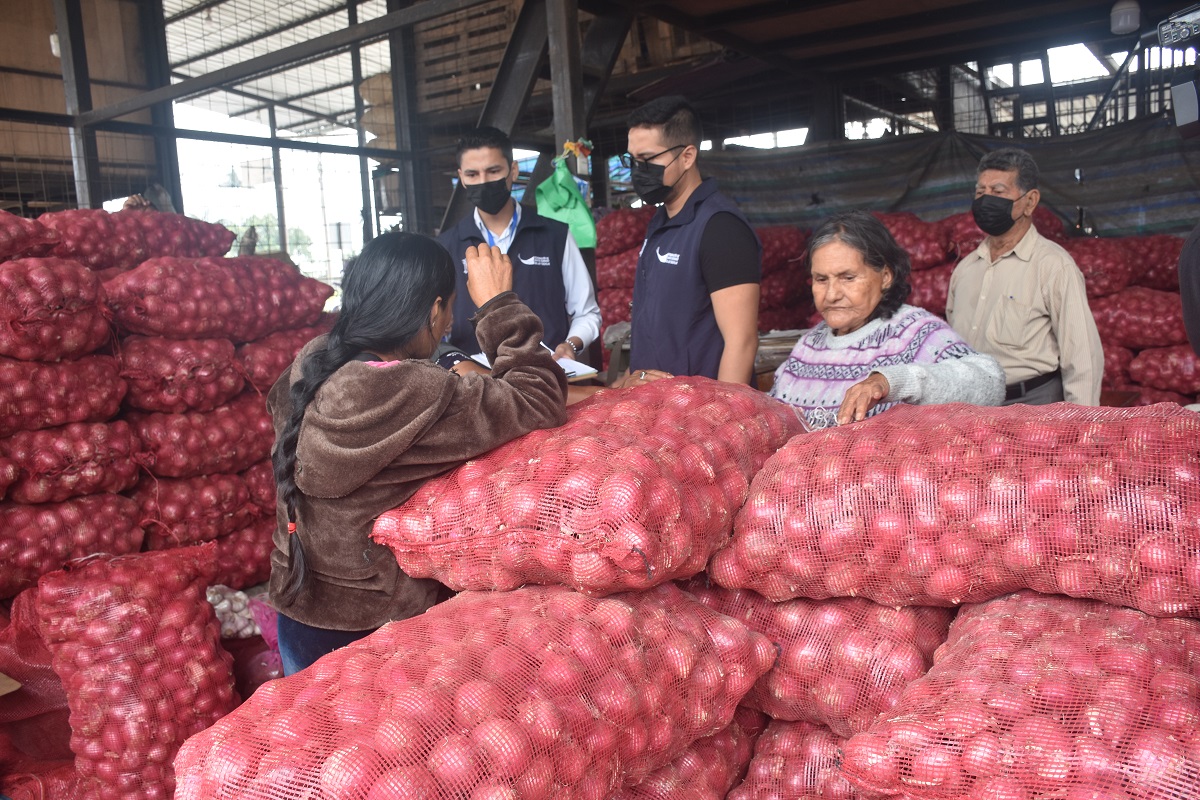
[1020,298]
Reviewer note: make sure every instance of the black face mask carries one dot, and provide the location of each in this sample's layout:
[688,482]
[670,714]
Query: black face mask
[993,214]
[647,180]
[488,197]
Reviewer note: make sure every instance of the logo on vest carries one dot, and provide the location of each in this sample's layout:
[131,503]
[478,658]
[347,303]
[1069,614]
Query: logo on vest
[666,258]
[464,266]
[534,261]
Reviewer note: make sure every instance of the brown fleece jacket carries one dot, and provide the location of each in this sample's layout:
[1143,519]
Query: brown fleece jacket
[373,435]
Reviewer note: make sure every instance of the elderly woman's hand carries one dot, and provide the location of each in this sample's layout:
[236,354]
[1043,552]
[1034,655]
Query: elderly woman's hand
[862,397]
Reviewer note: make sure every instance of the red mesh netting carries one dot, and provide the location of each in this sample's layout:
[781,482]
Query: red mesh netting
[930,288]
[25,659]
[954,503]
[82,458]
[137,646]
[784,319]
[1106,264]
[1172,369]
[785,288]
[842,662]
[40,780]
[536,693]
[927,243]
[230,438]
[617,271]
[1116,365]
[176,375]
[21,236]
[242,299]
[638,487]
[1155,260]
[782,248]
[708,769]
[962,234]
[1147,396]
[796,761]
[179,511]
[36,539]
[1137,317]
[244,556]
[123,240]
[260,480]
[37,395]
[265,360]
[614,305]
[1038,697]
[50,309]
[621,230]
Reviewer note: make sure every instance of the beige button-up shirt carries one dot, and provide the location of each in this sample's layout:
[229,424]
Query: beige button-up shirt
[1029,310]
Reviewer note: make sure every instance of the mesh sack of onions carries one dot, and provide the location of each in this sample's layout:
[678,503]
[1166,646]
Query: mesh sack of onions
[708,769]
[180,511]
[1146,396]
[842,662]
[785,288]
[1173,369]
[637,488]
[782,247]
[232,298]
[962,234]
[617,271]
[796,761]
[1155,260]
[38,780]
[20,236]
[35,395]
[537,693]
[244,556]
[260,480]
[176,375]
[230,438]
[1106,264]
[954,503]
[50,309]
[8,475]
[166,234]
[621,230]
[1138,317]
[930,288]
[96,238]
[784,319]
[614,305]
[36,539]
[926,242]
[82,458]
[1038,696]
[1116,365]
[137,646]
[33,716]
[265,360]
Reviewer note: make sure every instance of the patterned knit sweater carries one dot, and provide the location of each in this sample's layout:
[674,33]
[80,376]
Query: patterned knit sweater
[924,360]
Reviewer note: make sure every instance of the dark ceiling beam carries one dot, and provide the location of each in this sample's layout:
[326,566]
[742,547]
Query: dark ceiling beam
[238,73]
[949,24]
[258,37]
[714,23]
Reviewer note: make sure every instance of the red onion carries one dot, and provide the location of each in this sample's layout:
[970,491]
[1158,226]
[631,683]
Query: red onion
[182,511]
[77,459]
[622,230]
[230,438]
[176,375]
[20,236]
[265,360]
[50,308]
[45,395]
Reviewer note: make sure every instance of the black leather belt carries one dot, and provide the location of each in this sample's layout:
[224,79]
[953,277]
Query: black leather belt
[1022,388]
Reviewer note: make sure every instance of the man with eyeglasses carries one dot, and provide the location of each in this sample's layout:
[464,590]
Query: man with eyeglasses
[1021,298]
[695,296]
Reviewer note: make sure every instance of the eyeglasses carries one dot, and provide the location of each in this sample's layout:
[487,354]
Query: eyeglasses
[629,162]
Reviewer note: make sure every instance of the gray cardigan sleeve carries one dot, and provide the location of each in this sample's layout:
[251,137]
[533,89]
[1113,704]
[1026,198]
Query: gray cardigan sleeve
[977,379]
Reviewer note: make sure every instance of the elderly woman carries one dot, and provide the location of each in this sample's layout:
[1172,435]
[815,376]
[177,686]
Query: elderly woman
[872,351]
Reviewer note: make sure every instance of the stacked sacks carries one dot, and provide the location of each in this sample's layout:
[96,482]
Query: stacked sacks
[63,456]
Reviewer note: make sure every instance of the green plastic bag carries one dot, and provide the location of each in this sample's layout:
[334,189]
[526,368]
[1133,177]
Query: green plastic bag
[558,198]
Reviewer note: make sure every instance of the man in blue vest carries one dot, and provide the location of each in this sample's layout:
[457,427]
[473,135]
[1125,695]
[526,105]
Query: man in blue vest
[549,274]
[695,296]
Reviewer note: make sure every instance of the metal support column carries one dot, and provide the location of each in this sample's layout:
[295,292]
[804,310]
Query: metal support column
[829,113]
[562,21]
[277,172]
[1051,104]
[414,204]
[158,73]
[85,156]
[364,173]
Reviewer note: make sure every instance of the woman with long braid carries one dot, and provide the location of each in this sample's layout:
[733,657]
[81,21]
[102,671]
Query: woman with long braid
[363,418]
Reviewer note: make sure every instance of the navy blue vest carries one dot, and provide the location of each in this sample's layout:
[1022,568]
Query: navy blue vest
[674,328]
[537,254]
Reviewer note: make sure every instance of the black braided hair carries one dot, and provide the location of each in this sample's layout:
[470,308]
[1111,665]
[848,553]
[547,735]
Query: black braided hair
[386,301]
